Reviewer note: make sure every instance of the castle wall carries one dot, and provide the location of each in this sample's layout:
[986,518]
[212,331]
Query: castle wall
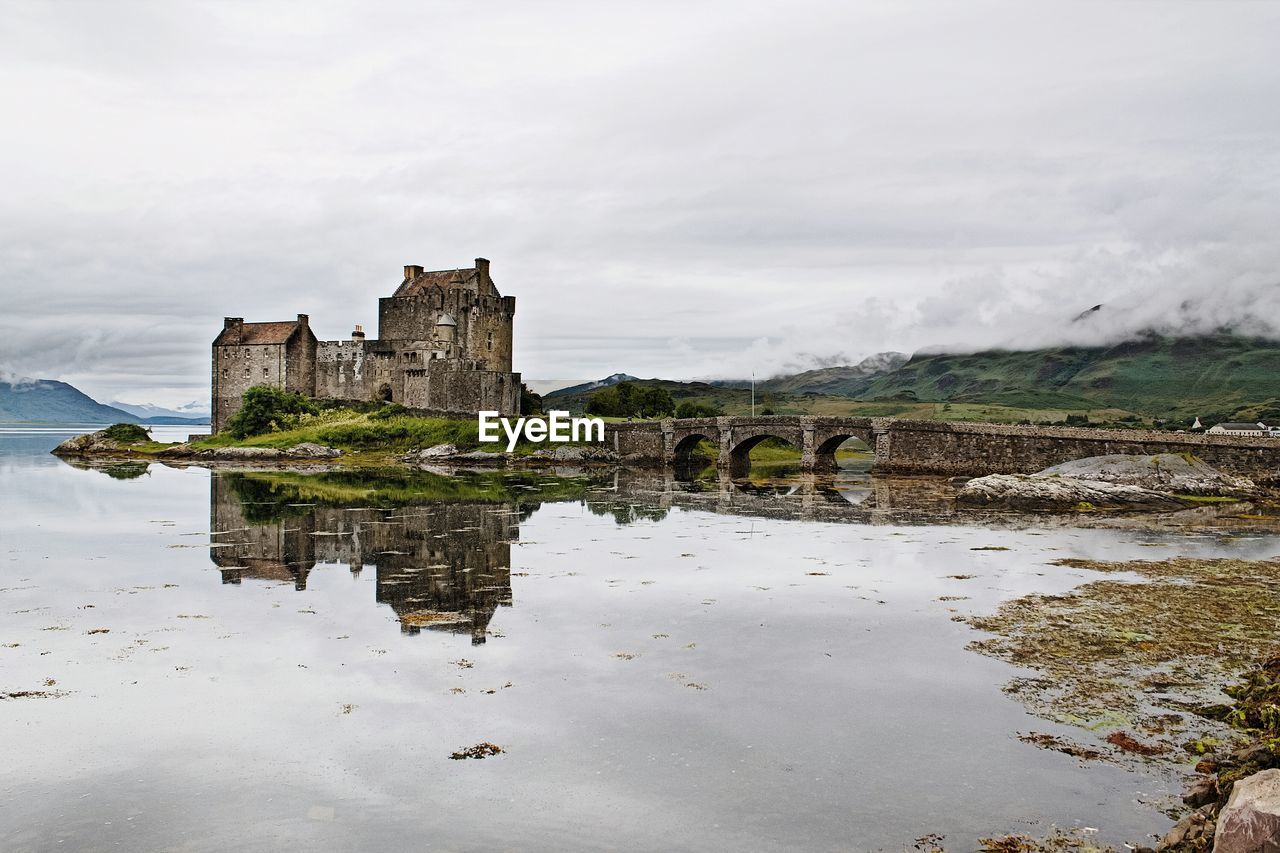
[460,387]
[484,327]
[238,368]
[340,371]
[488,334]
[300,365]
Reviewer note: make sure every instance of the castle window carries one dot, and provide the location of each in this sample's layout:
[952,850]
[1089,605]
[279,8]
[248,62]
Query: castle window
[246,373]
[491,342]
[226,374]
[264,373]
[246,352]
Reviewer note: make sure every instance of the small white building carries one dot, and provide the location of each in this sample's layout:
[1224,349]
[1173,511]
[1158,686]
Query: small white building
[1258,429]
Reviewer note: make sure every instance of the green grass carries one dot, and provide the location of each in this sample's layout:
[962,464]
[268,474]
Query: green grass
[273,495]
[348,430]
[368,438]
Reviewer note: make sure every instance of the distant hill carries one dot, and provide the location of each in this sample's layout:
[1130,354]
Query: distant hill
[588,387]
[574,399]
[1152,375]
[845,380]
[1215,376]
[50,401]
[191,412]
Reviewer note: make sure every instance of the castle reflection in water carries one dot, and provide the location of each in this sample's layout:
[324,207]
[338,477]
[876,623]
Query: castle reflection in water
[440,543]
[441,566]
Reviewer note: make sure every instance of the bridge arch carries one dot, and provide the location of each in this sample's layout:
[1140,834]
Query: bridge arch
[683,451]
[824,451]
[739,447]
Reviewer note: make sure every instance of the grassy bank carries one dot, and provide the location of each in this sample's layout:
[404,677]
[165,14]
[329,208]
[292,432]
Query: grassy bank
[273,495]
[360,431]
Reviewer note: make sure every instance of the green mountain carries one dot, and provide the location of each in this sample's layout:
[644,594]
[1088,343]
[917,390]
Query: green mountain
[1157,376]
[49,401]
[1218,377]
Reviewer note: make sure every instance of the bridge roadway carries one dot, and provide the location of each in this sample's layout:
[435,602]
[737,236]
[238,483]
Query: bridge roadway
[927,447]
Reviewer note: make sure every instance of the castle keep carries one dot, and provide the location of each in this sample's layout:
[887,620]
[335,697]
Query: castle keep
[444,344]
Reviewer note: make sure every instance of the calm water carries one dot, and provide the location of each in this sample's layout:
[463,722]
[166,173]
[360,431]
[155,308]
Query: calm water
[266,660]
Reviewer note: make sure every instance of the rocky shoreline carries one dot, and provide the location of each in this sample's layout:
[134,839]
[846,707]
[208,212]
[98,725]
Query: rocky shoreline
[1161,482]
[100,445]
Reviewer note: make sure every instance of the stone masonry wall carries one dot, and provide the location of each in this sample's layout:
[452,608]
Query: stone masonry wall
[930,447]
[952,448]
[236,369]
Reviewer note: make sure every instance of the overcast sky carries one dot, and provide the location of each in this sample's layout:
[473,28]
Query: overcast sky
[682,189]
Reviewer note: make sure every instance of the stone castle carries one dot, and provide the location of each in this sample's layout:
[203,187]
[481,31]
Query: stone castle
[443,345]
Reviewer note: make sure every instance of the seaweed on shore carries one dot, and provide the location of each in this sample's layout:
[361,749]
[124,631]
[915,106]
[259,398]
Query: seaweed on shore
[1137,660]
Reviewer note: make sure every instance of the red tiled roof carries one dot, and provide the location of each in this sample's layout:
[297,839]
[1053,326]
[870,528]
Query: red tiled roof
[261,333]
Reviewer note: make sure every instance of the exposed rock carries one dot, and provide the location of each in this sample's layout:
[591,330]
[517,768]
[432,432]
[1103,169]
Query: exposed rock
[1201,792]
[439,451]
[311,450]
[1250,821]
[483,457]
[1022,492]
[1105,482]
[98,443]
[88,444]
[243,453]
[452,453]
[1195,827]
[1163,472]
[578,453]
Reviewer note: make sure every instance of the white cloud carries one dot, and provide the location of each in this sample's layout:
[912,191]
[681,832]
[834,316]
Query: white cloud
[668,188]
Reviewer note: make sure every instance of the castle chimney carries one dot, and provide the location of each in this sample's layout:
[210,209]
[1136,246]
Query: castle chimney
[303,319]
[235,325]
[482,268]
[357,336]
[412,271]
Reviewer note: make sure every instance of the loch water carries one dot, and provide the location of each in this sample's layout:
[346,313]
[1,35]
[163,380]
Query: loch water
[279,660]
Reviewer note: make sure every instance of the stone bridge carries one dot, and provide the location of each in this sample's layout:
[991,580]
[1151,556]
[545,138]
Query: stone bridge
[927,447]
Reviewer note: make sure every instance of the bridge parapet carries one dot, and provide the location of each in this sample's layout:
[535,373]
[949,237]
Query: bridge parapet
[930,447]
